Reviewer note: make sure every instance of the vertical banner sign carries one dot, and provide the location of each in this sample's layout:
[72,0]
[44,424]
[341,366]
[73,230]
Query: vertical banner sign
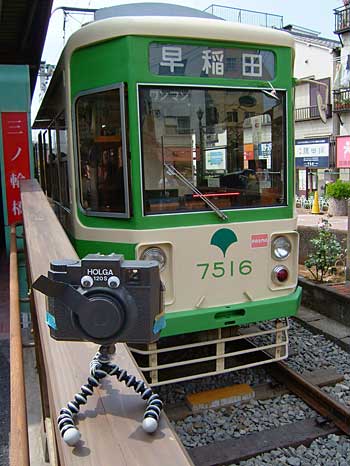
[343,151]
[16,160]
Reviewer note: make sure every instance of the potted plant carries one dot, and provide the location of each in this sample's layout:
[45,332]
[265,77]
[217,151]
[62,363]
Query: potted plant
[338,194]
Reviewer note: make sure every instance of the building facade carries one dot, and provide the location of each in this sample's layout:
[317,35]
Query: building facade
[341,92]
[316,131]
[316,126]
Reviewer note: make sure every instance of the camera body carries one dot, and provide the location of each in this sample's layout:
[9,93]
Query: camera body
[104,299]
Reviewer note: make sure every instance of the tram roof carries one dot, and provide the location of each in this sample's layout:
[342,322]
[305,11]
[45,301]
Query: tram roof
[155,26]
[170,26]
[151,9]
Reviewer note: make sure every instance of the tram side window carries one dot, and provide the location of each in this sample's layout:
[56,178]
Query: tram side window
[99,141]
[53,165]
[63,160]
[46,153]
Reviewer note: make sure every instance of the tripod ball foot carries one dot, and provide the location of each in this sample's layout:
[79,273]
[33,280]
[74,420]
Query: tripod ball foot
[149,425]
[71,436]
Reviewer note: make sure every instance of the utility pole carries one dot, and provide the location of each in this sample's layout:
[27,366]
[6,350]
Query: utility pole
[45,74]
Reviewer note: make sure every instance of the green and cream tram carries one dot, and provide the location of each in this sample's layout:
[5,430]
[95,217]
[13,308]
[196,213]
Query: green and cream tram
[171,138]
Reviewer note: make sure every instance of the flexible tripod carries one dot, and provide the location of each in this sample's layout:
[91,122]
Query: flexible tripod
[100,367]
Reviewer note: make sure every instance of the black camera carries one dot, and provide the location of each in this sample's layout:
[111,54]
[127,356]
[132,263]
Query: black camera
[104,299]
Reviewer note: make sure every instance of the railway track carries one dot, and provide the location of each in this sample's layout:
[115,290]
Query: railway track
[333,418]
[312,395]
[229,452]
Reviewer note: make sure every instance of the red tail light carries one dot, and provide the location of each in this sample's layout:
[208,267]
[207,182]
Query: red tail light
[280,274]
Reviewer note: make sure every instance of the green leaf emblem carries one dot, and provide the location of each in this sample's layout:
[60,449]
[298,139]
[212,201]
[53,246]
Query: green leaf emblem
[223,239]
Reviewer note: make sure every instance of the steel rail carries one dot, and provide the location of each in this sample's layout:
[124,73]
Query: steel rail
[312,395]
[309,393]
[19,444]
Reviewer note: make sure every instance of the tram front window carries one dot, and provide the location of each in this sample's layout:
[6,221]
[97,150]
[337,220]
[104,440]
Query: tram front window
[229,143]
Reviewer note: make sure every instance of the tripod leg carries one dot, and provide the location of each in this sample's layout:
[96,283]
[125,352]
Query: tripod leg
[100,367]
[65,420]
[152,414]
[154,403]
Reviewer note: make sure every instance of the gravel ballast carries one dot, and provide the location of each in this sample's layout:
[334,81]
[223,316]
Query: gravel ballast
[236,421]
[308,352]
[332,450]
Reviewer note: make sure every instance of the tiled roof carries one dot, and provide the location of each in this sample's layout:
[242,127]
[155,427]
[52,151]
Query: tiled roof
[311,39]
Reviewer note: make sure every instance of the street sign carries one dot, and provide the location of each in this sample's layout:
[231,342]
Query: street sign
[312,153]
[16,160]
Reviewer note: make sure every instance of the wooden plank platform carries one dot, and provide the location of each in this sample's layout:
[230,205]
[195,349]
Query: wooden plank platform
[110,423]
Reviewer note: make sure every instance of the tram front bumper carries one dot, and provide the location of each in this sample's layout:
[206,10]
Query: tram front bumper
[178,323]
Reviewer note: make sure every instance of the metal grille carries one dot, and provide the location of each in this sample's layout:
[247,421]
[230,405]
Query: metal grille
[342,19]
[341,100]
[214,355]
[311,113]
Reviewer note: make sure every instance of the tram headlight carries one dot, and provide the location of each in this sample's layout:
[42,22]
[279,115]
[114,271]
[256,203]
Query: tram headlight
[281,248]
[155,254]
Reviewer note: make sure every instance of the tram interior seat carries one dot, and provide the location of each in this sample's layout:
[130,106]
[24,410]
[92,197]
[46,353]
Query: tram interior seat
[155,198]
[162,195]
[244,181]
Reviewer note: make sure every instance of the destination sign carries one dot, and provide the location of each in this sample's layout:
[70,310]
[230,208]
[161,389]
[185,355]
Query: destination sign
[211,62]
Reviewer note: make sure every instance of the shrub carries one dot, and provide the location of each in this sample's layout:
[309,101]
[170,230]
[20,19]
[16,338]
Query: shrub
[326,251]
[338,190]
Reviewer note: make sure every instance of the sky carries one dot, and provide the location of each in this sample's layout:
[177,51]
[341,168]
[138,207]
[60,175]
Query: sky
[312,14]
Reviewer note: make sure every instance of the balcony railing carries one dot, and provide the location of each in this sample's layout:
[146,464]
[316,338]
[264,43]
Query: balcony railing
[265,120]
[342,19]
[341,99]
[238,15]
[311,113]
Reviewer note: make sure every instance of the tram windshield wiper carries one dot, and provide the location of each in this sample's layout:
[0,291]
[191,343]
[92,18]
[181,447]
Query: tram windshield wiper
[171,170]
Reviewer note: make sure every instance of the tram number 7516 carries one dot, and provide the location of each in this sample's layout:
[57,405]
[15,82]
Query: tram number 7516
[222,269]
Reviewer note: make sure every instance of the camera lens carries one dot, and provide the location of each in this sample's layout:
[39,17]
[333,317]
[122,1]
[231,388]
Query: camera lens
[86,281]
[104,319]
[113,282]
